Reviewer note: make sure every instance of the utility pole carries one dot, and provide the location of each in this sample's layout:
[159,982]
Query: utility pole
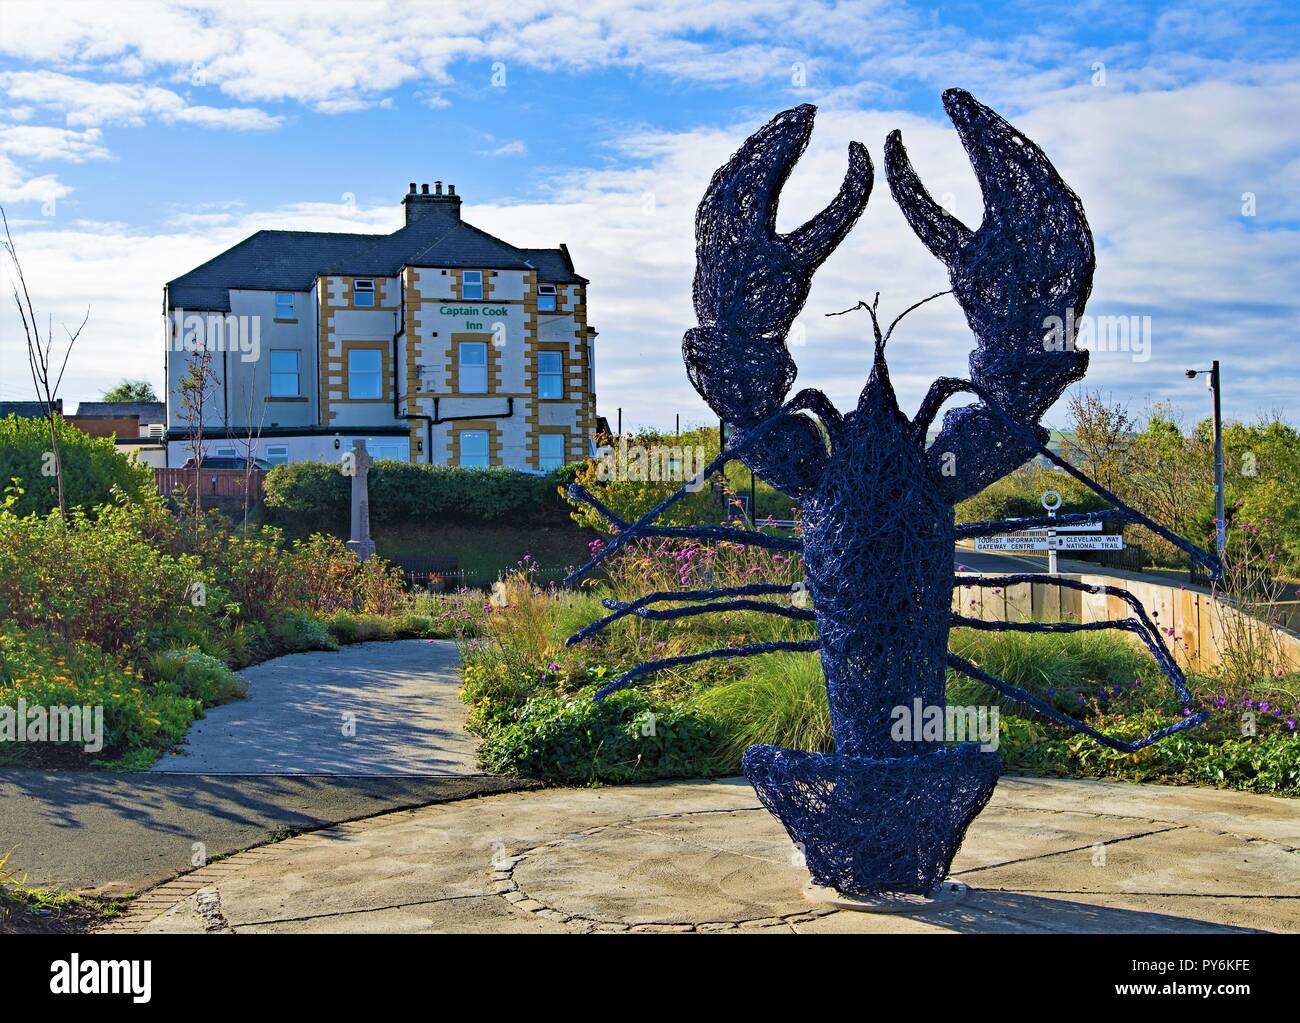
[1220,515]
[1219,510]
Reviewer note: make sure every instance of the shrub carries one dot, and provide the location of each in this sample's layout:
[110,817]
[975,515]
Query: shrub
[1267,763]
[347,627]
[46,671]
[297,631]
[246,643]
[627,738]
[315,495]
[92,578]
[91,467]
[198,675]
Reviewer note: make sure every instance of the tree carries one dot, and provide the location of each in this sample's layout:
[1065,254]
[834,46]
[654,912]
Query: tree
[131,390]
[1170,475]
[196,387]
[1099,437]
[886,810]
[43,361]
[91,467]
[249,441]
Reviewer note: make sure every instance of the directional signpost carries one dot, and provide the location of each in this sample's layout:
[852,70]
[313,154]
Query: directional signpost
[1047,538]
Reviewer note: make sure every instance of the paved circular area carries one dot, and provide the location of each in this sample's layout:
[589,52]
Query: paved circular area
[1045,856]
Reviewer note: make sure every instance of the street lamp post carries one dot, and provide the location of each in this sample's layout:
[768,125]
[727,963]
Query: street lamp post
[1221,528]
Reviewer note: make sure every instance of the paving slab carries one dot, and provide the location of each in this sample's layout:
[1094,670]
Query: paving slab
[367,710]
[1046,856]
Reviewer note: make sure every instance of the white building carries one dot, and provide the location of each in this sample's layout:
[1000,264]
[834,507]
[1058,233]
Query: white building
[436,343]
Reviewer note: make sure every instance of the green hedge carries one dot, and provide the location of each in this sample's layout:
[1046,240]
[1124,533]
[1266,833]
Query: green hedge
[627,738]
[91,466]
[315,495]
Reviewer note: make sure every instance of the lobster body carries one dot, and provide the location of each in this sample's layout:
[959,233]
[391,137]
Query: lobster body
[884,634]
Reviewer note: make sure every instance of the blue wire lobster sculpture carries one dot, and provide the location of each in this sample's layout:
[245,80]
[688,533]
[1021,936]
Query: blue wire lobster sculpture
[881,815]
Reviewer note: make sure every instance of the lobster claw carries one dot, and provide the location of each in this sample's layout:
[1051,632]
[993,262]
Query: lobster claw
[750,282]
[1024,273]
[1020,278]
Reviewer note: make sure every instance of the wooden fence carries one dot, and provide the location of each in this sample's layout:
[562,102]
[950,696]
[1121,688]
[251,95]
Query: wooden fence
[1196,626]
[227,483]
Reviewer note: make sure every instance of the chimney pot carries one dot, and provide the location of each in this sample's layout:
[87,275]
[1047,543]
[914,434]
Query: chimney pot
[451,189]
[412,188]
[424,189]
[437,188]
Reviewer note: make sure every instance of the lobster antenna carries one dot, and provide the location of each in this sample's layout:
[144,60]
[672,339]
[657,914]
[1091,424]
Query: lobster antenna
[883,339]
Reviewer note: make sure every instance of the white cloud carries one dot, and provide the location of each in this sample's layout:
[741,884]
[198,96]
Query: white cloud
[85,103]
[516,148]
[43,143]
[18,186]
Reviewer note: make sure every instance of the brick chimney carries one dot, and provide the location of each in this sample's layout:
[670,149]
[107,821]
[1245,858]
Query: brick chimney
[422,204]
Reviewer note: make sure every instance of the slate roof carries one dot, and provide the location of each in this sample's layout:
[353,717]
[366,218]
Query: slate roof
[149,411]
[292,260]
[28,409]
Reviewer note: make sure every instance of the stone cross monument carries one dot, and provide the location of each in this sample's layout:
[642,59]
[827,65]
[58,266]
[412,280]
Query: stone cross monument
[356,463]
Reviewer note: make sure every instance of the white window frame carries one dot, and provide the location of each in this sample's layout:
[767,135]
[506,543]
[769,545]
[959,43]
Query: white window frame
[276,454]
[548,298]
[470,278]
[487,448]
[364,289]
[226,453]
[379,448]
[476,380]
[276,392]
[548,376]
[281,297]
[377,373]
[545,463]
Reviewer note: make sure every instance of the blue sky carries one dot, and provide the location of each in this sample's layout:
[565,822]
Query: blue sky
[138,139]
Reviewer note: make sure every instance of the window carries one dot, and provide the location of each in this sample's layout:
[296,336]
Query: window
[550,451]
[473,367]
[227,453]
[389,449]
[363,294]
[474,449]
[546,298]
[284,306]
[365,373]
[550,374]
[471,286]
[284,374]
[277,454]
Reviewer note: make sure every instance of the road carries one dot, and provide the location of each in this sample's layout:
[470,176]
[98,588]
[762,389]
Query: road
[999,564]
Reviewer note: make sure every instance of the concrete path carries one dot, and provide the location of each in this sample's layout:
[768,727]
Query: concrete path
[276,763]
[96,831]
[1045,856]
[373,709]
